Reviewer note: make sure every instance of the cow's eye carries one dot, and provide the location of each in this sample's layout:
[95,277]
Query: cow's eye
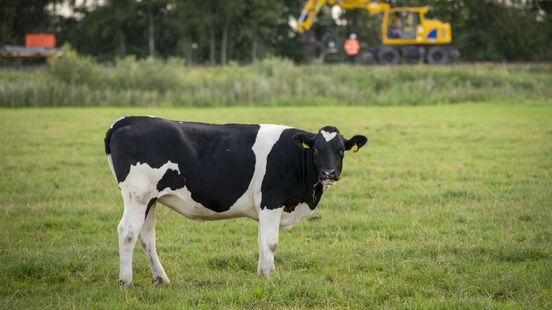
[340,152]
[315,150]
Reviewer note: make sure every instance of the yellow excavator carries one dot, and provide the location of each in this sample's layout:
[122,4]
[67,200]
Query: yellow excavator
[406,33]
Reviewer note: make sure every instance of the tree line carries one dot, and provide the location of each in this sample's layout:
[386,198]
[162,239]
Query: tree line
[218,32]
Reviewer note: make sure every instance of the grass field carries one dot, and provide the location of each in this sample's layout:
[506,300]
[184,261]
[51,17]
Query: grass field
[449,206]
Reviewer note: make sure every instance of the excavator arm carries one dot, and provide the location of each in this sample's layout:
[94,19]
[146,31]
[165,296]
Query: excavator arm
[308,14]
[312,7]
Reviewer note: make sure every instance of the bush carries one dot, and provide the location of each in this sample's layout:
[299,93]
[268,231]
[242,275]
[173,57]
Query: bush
[72,69]
[79,81]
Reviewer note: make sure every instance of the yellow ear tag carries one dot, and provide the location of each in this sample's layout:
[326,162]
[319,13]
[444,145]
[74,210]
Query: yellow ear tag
[306,146]
[354,148]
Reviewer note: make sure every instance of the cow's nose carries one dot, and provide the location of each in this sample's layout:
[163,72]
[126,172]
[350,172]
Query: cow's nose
[328,174]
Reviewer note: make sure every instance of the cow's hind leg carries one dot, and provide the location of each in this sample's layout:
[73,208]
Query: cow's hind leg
[147,238]
[129,227]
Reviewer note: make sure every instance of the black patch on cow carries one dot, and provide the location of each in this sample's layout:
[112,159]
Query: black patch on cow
[171,179]
[150,204]
[216,162]
[291,177]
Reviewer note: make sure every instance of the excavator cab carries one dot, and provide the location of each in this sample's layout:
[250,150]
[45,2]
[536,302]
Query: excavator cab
[406,33]
[402,25]
[409,26]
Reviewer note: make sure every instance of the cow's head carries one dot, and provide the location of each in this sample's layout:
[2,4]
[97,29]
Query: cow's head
[328,147]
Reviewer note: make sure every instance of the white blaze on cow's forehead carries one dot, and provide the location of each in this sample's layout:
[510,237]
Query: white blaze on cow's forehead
[328,135]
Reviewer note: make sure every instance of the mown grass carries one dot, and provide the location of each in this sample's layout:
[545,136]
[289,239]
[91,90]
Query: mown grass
[447,207]
[76,81]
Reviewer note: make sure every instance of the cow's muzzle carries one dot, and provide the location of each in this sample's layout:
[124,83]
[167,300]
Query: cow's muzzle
[328,176]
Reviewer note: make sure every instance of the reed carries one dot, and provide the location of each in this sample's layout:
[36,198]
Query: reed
[79,81]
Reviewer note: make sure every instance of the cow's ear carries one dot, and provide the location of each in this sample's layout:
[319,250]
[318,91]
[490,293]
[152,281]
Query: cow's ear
[303,140]
[355,143]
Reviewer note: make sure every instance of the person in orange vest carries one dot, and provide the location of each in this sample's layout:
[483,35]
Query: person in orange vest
[352,47]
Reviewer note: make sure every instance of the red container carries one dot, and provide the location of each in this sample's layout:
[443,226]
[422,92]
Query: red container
[40,40]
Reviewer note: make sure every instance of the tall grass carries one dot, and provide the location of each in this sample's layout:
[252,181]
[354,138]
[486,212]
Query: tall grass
[79,81]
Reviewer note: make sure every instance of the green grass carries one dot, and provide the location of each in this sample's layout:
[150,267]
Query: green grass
[448,206]
[75,81]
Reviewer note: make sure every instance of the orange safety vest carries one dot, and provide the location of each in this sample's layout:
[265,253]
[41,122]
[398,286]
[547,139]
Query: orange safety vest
[352,47]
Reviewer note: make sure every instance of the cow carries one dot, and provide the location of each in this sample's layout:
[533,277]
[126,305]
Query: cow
[271,173]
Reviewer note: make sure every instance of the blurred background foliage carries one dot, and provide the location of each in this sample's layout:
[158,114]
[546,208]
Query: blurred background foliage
[80,81]
[220,32]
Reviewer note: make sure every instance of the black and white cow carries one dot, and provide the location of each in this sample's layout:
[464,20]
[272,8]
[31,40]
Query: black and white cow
[271,173]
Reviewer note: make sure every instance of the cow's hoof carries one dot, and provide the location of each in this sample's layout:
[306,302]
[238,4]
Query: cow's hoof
[125,283]
[160,280]
[265,272]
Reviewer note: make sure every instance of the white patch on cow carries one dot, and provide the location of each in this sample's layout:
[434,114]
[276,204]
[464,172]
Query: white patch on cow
[249,203]
[141,183]
[152,116]
[117,121]
[300,212]
[328,135]
[142,180]
[182,202]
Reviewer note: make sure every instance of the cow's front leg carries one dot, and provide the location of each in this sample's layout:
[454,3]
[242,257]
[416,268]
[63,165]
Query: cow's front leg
[269,223]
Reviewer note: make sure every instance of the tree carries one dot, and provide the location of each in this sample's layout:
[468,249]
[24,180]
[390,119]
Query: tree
[210,31]
[153,11]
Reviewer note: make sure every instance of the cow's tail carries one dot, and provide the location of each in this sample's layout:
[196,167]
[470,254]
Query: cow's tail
[122,122]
